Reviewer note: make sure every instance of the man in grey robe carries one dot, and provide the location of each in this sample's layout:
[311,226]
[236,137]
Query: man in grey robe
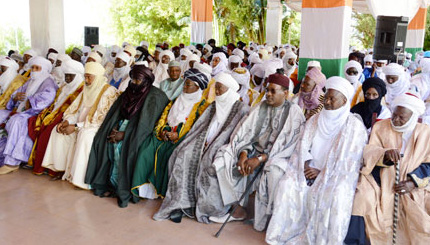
[211,131]
[268,134]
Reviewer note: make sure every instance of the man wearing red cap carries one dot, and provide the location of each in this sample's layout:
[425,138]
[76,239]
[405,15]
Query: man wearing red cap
[268,134]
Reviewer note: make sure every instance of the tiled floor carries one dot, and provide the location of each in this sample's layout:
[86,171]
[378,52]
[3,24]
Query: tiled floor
[35,210]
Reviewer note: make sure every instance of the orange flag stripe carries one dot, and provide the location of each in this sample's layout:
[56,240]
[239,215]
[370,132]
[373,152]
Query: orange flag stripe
[201,10]
[326,3]
[419,20]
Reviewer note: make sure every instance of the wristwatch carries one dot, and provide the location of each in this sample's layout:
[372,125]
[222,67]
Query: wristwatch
[76,127]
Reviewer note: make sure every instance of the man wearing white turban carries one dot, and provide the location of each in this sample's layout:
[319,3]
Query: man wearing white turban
[187,167]
[41,125]
[396,81]
[57,72]
[184,55]
[70,142]
[234,61]
[352,71]
[400,142]
[219,63]
[242,77]
[27,56]
[28,100]
[94,57]
[315,196]
[265,139]
[8,72]
[86,51]
[161,72]
[114,50]
[120,78]
[239,53]
[207,52]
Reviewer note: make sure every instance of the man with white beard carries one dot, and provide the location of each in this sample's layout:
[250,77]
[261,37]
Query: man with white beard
[120,77]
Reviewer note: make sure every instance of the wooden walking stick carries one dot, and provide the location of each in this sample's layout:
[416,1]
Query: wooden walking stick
[396,203]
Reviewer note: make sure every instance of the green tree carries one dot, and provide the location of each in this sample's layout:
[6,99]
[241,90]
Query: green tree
[364,29]
[427,34]
[152,20]
[13,38]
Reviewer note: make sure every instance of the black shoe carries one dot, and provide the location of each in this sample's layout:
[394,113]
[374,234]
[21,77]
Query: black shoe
[176,216]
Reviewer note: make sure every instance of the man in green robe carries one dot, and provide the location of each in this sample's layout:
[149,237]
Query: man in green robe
[128,123]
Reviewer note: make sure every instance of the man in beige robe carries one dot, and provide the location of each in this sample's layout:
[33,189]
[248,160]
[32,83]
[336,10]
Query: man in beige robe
[399,140]
[70,143]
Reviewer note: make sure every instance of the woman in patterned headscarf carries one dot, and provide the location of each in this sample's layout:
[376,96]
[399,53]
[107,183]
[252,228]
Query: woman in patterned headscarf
[150,175]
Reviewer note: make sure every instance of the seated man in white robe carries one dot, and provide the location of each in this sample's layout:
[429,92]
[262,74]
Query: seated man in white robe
[267,135]
[314,199]
[70,143]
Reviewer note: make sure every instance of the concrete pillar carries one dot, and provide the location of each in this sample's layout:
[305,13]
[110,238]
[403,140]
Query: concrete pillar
[416,32]
[325,35]
[274,22]
[47,25]
[201,21]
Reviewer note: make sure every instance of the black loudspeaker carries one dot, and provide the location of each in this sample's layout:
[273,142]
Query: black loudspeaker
[91,36]
[390,37]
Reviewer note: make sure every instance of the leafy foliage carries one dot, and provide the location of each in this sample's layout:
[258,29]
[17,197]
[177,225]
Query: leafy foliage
[152,20]
[427,34]
[364,29]
[13,38]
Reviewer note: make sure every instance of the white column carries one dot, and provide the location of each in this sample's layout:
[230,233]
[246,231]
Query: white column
[47,25]
[274,22]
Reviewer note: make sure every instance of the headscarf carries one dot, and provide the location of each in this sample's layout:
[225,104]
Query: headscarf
[53,56]
[57,73]
[184,52]
[7,77]
[121,72]
[91,92]
[85,49]
[70,67]
[368,107]
[368,58]
[192,57]
[102,50]
[310,100]
[330,122]
[95,56]
[271,66]
[131,50]
[239,53]
[353,79]
[222,65]
[114,49]
[242,77]
[223,104]
[134,96]
[203,68]
[161,71]
[234,59]
[289,69]
[401,86]
[255,59]
[257,70]
[264,53]
[32,53]
[183,105]
[413,102]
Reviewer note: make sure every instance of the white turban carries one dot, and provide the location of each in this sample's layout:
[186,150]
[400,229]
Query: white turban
[185,52]
[208,47]
[53,56]
[168,53]
[115,49]
[258,70]
[73,67]
[314,63]
[63,58]
[264,54]
[355,64]
[101,49]
[123,56]
[255,59]
[239,53]
[368,58]
[31,52]
[131,50]
[9,63]
[242,76]
[95,56]
[382,61]
[289,55]
[227,80]
[413,102]
[342,85]
[234,59]
[393,69]
[270,66]
[42,62]
[203,68]
[144,43]
[86,49]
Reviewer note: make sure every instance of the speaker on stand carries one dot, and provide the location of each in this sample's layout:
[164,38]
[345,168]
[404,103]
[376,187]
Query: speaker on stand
[91,36]
[390,38]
